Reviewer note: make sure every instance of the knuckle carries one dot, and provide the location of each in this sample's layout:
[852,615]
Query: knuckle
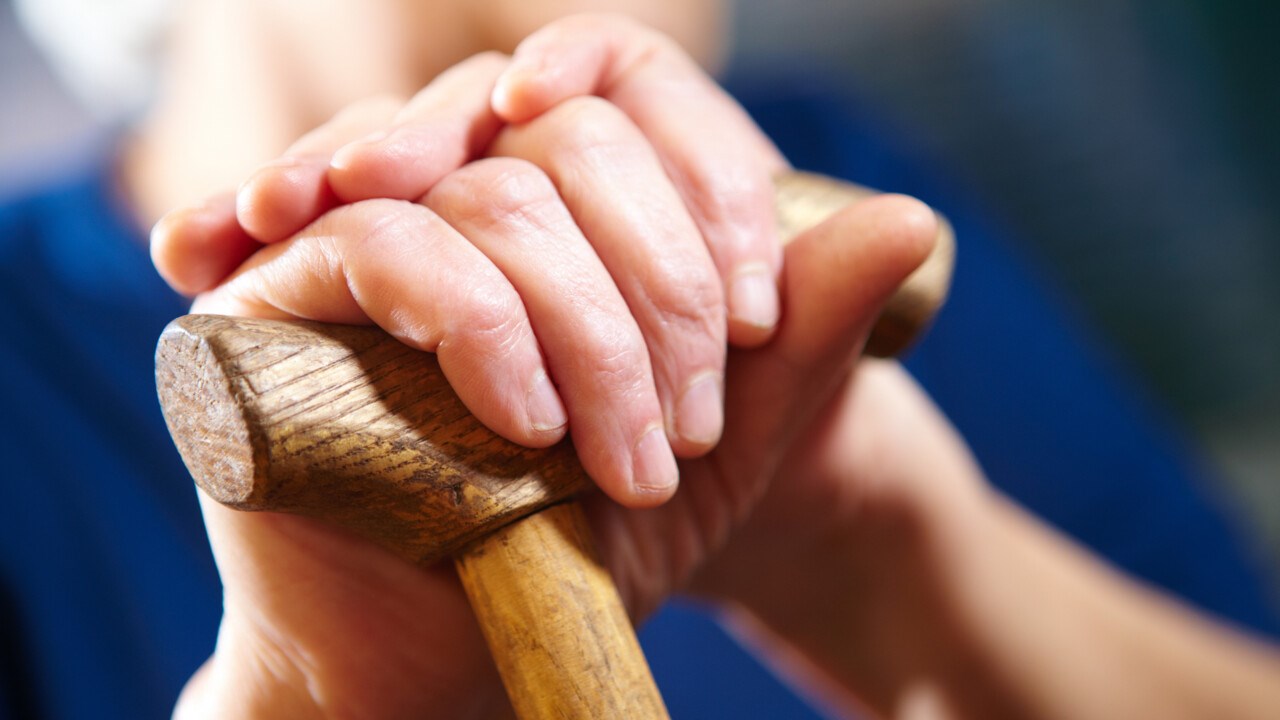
[499,193]
[590,127]
[723,196]
[616,354]
[688,297]
[730,198]
[380,222]
[362,241]
[492,319]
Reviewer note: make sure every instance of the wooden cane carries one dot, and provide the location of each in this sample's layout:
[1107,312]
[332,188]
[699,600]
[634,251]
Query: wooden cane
[349,426]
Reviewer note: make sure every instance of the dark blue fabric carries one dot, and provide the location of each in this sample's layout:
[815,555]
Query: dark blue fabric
[109,591]
[108,596]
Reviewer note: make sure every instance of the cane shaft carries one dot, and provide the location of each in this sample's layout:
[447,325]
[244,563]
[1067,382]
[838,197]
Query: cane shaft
[554,622]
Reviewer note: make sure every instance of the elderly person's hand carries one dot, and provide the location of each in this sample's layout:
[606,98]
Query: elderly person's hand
[585,268]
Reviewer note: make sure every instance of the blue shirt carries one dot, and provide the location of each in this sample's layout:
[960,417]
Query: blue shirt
[108,595]
[107,586]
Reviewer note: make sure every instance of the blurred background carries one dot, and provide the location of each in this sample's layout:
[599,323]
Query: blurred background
[1130,144]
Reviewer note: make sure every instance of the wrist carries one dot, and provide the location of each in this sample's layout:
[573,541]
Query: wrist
[871,612]
[246,677]
[849,560]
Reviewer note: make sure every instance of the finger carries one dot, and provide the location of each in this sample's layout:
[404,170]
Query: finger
[282,196]
[195,247]
[838,277]
[510,210]
[719,160]
[446,124]
[615,187]
[400,266]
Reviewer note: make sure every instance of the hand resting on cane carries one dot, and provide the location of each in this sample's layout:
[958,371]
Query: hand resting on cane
[878,568]
[342,268]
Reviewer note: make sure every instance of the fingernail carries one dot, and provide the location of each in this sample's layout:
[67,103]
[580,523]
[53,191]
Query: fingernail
[753,296]
[653,468]
[342,158]
[546,412]
[700,411]
[264,171]
[500,99]
[504,100]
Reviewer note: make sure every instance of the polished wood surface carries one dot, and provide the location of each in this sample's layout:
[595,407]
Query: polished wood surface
[347,425]
[554,622]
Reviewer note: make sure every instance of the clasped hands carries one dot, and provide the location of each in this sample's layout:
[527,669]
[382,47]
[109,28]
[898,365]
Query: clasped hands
[583,233]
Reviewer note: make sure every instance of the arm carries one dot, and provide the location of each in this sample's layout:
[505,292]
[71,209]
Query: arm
[934,592]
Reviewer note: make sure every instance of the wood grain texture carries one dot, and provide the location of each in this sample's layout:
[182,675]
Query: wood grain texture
[347,425]
[554,622]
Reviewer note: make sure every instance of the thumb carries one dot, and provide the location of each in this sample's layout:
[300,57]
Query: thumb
[837,278]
